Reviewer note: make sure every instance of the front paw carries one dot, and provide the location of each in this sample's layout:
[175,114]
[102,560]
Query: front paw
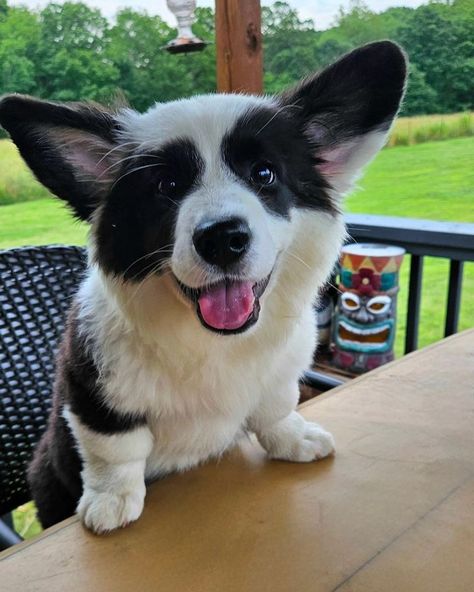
[102,511]
[315,444]
[297,440]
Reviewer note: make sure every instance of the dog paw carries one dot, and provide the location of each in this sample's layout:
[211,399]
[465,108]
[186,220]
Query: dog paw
[297,440]
[315,444]
[102,511]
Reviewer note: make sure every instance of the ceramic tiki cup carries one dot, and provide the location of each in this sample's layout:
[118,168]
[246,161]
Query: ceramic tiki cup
[364,327]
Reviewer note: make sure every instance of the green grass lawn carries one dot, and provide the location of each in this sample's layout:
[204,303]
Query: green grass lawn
[432,181]
[16,182]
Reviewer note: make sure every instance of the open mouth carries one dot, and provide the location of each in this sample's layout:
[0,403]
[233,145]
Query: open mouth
[374,337]
[229,306]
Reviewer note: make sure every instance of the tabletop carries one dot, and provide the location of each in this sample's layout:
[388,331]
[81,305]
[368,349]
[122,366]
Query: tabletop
[392,511]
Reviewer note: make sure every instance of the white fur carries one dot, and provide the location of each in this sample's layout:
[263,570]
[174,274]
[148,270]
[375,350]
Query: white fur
[198,390]
[113,474]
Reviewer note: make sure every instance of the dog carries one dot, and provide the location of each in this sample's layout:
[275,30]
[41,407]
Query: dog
[214,221]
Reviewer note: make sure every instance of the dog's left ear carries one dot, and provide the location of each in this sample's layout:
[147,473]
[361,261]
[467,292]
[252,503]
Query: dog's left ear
[70,147]
[347,109]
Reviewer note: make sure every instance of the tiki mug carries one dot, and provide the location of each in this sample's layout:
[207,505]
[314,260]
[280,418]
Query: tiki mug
[364,328]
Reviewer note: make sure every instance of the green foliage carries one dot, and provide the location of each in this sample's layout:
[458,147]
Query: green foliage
[439,38]
[69,51]
[420,96]
[19,37]
[146,72]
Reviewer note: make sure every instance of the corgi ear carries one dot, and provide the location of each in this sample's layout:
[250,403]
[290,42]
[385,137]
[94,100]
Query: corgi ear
[347,109]
[71,148]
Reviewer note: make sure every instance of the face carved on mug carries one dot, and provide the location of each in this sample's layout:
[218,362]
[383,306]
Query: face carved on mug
[365,323]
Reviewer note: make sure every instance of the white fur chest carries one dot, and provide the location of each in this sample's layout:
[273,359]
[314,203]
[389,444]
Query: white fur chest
[195,409]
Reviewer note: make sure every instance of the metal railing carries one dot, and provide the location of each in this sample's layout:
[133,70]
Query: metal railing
[420,238]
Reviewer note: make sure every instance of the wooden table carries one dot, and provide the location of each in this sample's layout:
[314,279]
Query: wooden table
[393,511]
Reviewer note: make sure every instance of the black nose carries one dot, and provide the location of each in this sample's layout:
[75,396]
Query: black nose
[222,243]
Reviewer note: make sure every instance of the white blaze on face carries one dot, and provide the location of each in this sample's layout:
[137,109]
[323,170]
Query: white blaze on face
[205,121]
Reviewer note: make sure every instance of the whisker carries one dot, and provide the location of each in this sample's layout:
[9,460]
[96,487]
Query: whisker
[339,291]
[147,166]
[118,147]
[298,259]
[130,157]
[150,254]
[273,117]
[157,267]
[153,263]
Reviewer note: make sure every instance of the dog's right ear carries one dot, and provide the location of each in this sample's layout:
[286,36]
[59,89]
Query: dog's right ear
[70,147]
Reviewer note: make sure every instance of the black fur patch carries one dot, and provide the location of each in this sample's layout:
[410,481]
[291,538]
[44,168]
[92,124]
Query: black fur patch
[79,384]
[136,227]
[359,93]
[36,126]
[273,136]
[54,475]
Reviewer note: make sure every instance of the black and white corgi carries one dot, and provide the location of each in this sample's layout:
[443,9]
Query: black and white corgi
[214,221]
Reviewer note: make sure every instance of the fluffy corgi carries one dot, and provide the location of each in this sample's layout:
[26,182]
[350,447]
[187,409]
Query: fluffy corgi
[214,221]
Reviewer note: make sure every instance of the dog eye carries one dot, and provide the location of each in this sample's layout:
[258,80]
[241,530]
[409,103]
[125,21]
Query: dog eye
[167,186]
[262,174]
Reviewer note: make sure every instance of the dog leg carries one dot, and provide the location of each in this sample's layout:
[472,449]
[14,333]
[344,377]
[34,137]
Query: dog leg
[113,475]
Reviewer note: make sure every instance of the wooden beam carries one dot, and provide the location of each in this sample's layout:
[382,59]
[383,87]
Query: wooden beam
[239,46]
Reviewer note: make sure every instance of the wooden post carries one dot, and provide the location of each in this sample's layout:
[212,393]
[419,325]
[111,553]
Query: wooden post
[239,46]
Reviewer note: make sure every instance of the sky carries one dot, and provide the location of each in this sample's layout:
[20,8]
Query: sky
[321,11]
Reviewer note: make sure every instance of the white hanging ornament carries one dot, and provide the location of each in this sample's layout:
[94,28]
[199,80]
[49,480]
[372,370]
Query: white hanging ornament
[186,41]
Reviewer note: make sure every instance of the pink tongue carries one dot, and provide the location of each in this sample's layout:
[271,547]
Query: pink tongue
[227,305]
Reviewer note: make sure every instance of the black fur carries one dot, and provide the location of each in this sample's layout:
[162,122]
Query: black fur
[79,384]
[359,93]
[34,125]
[135,232]
[273,136]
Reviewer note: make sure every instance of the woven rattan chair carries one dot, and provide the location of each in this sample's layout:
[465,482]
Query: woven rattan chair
[36,287]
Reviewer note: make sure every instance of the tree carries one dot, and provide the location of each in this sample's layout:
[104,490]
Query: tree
[3,9]
[19,35]
[440,45]
[70,52]
[71,61]
[420,96]
[289,46]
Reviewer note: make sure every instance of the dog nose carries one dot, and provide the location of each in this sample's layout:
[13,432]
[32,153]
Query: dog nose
[222,243]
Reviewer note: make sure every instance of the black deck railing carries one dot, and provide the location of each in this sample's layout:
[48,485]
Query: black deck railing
[420,238]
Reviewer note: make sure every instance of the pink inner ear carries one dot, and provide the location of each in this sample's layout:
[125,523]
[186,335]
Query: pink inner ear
[88,154]
[335,159]
[89,162]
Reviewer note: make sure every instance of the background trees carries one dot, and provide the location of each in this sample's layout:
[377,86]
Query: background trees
[69,51]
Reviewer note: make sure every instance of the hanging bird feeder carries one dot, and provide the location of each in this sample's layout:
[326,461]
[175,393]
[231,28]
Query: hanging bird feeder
[186,41]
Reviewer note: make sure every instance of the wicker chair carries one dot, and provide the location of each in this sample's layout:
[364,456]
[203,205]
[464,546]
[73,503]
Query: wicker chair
[36,287]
